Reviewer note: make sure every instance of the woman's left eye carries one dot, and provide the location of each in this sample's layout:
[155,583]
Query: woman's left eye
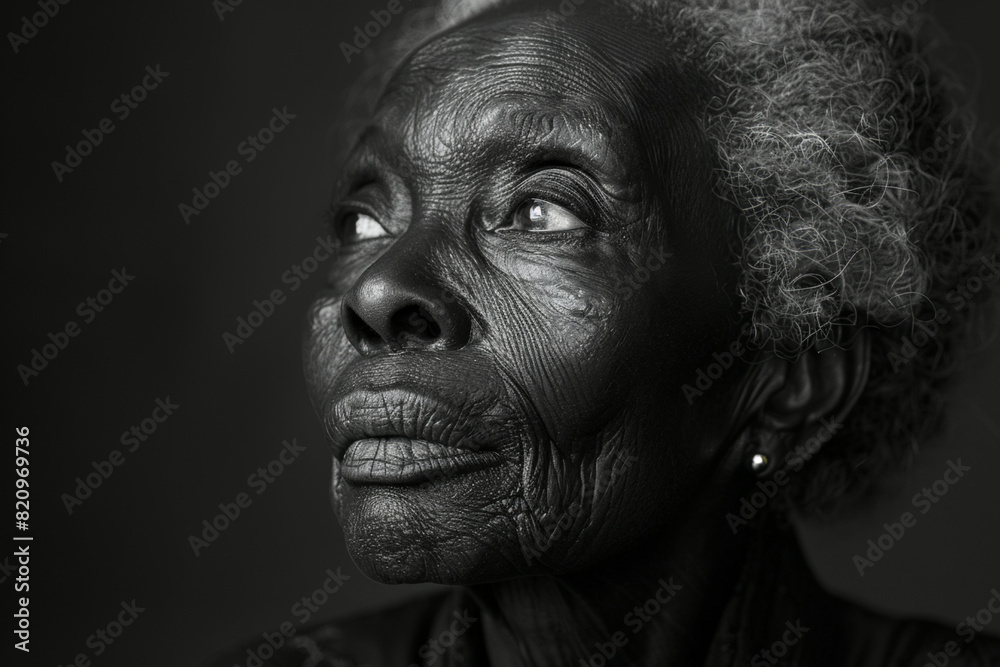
[538,215]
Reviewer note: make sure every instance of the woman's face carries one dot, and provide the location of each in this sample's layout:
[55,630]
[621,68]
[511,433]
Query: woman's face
[532,267]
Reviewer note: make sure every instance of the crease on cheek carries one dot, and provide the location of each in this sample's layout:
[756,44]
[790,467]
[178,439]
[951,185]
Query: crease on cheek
[562,288]
[336,493]
[574,301]
[329,350]
[324,324]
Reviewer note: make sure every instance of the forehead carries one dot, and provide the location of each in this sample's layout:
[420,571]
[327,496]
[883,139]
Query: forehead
[591,74]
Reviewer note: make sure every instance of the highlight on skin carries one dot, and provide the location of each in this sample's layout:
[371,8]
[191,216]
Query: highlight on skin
[861,192]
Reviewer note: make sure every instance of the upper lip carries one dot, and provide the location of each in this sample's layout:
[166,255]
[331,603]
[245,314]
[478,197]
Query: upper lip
[400,413]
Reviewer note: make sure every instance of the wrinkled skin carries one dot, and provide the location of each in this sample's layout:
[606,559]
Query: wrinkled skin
[537,334]
[447,313]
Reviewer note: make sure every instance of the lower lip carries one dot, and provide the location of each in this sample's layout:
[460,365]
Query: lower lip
[399,460]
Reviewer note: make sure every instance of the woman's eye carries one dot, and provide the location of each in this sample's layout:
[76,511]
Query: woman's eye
[358,227]
[538,215]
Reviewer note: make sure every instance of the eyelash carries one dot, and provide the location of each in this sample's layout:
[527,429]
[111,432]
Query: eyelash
[335,215]
[348,203]
[553,187]
[546,183]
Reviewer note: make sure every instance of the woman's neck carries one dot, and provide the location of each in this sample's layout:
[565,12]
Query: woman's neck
[660,603]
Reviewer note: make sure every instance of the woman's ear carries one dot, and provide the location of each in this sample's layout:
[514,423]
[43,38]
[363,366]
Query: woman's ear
[784,403]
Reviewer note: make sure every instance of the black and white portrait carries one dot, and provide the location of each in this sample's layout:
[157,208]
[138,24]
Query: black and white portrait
[496,333]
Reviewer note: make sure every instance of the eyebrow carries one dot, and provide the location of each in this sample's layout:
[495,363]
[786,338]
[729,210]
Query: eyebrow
[515,124]
[541,137]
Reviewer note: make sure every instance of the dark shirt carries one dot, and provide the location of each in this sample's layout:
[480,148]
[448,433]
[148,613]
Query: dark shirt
[777,607]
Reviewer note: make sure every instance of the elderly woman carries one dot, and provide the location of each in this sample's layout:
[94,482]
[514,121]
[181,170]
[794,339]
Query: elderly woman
[608,269]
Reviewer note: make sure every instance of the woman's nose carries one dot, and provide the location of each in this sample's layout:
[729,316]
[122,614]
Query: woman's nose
[396,304]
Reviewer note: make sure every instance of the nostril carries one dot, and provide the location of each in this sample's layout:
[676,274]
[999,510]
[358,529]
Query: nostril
[355,325]
[416,323]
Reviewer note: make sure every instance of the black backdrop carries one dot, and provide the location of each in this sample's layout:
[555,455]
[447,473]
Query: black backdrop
[161,336]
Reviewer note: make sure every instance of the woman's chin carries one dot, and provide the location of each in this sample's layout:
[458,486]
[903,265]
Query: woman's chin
[403,535]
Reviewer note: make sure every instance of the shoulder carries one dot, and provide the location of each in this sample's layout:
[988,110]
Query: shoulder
[389,636]
[876,639]
[843,633]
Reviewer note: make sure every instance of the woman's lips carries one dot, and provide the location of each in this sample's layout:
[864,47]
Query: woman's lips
[399,460]
[364,414]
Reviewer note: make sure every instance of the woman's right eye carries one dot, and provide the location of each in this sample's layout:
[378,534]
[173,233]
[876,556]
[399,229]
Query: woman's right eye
[360,227]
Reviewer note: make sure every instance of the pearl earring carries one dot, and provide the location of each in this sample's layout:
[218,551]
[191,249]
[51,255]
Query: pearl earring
[758,463]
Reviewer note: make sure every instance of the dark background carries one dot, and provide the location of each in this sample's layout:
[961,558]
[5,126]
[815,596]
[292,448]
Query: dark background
[162,336]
